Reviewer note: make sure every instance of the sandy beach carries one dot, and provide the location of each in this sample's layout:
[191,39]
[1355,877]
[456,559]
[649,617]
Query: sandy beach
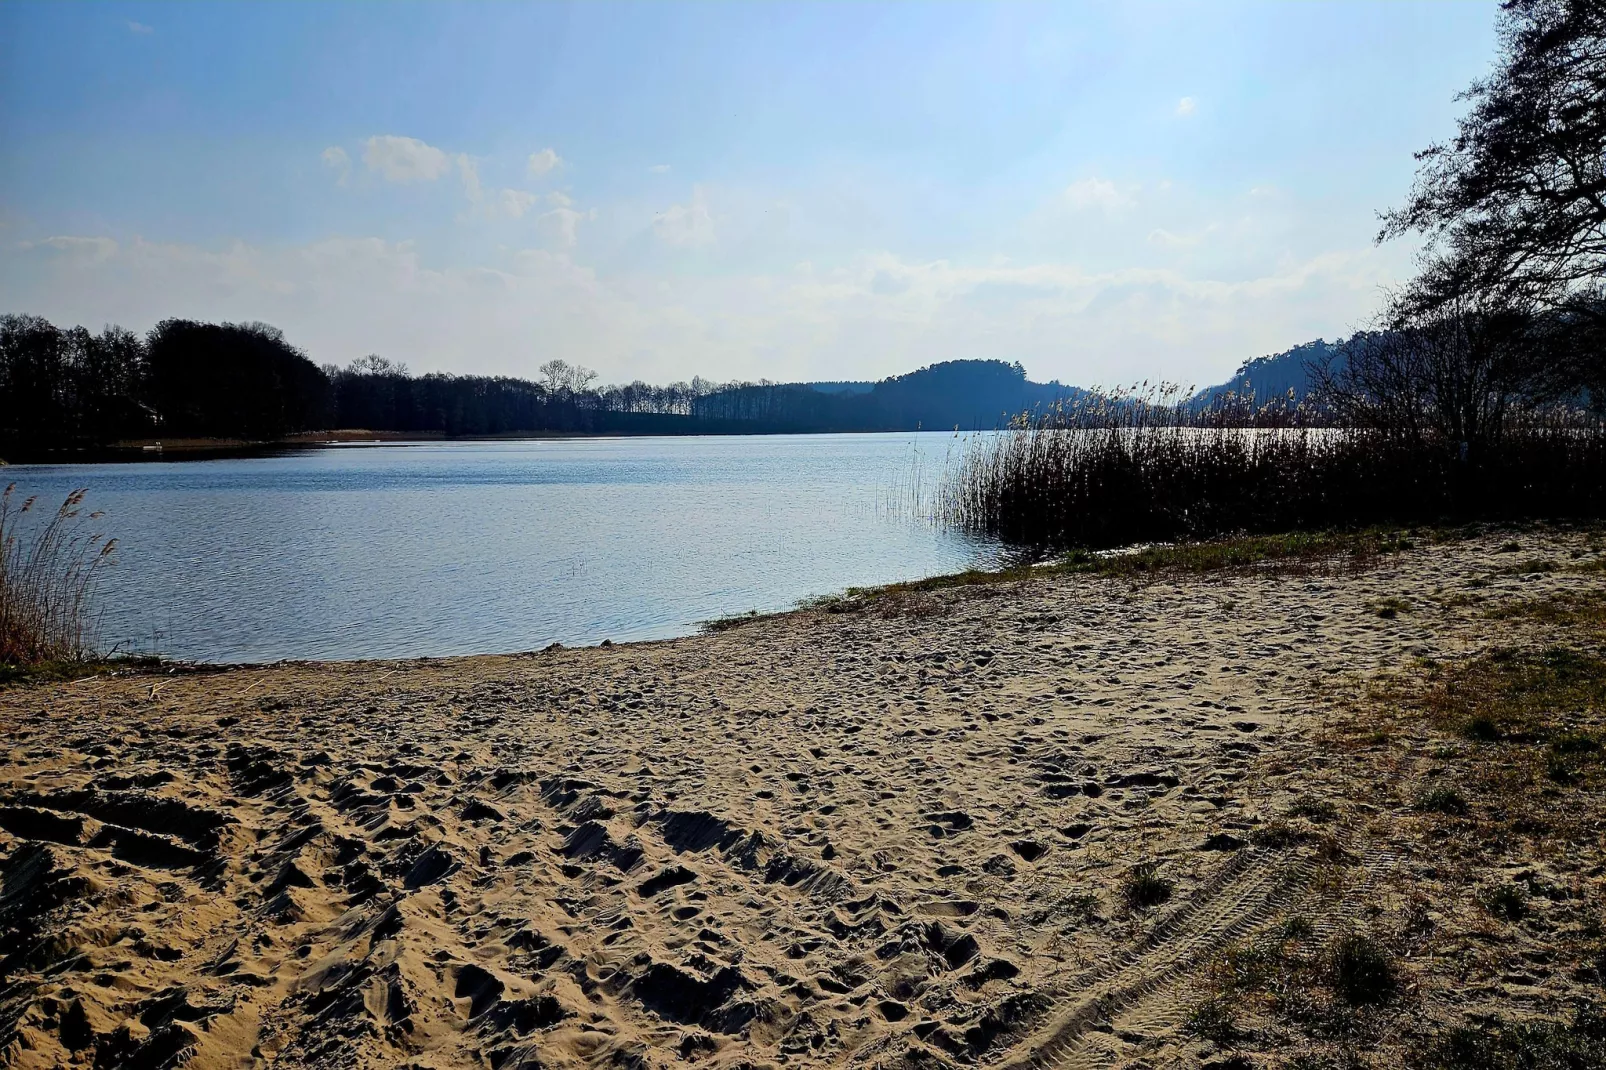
[904,834]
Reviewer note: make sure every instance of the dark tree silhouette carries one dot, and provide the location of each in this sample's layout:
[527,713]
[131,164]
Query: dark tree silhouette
[1517,199]
[233,380]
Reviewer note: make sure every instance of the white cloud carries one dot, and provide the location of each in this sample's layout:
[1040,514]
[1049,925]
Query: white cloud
[1097,193]
[139,27]
[494,203]
[335,157]
[542,162]
[1187,106]
[515,202]
[559,225]
[875,315]
[405,159]
[658,169]
[686,225]
[559,199]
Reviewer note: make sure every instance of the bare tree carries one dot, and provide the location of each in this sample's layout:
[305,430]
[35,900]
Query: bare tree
[1453,369]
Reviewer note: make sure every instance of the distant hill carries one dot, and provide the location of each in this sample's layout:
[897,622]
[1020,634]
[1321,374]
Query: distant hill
[969,395]
[1269,378]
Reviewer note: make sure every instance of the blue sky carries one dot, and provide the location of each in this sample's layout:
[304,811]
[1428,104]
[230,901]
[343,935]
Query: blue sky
[1106,193]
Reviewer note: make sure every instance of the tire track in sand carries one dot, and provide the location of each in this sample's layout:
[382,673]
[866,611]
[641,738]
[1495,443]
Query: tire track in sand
[1247,892]
[1142,994]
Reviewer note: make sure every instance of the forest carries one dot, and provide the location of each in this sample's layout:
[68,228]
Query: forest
[68,389]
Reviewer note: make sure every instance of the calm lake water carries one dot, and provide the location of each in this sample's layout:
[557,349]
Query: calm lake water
[451,548]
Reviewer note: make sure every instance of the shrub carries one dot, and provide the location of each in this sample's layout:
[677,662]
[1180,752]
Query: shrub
[48,571]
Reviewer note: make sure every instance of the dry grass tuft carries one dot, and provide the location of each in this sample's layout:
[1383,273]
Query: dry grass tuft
[48,570]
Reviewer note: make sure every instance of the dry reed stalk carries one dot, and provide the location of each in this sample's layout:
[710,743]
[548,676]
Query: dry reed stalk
[48,572]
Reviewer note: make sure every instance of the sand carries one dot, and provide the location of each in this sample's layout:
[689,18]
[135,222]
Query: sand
[895,836]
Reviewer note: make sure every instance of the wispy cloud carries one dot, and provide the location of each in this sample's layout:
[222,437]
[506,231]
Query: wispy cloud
[1097,194]
[872,315]
[1187,106]
[658,169]
[139,27]
[336,159]
[72,245]
[686,225]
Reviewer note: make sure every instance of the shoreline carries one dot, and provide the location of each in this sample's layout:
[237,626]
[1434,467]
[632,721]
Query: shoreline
[906,830]
[209,449]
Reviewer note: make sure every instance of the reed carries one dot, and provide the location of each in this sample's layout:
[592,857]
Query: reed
[1123,469]
[49,566]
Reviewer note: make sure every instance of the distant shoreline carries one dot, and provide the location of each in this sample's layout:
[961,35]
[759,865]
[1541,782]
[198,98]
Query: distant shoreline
[212,449]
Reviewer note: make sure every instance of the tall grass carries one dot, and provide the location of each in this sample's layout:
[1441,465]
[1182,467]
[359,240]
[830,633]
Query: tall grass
[1115,471]
[49,566]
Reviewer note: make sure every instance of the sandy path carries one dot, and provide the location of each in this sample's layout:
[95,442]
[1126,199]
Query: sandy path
[821,838]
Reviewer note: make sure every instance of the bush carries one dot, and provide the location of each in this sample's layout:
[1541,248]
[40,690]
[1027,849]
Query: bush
[48,571]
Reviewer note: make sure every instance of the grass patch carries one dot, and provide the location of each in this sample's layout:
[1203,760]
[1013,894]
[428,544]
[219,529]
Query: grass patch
[1508,901]
[1144,888]
[1442,799]
[47,672]
[50,563]
[1389,608]
[1533,1045]
[1520,695]
[1293,552]
[735,620]
[1361,970]
[1276,834]
[1313,809]
[1214,1020]
[1586,609]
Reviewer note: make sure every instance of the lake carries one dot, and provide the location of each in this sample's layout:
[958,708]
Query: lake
[428,549]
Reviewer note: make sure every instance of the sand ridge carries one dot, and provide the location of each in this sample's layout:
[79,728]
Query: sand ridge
[885,837]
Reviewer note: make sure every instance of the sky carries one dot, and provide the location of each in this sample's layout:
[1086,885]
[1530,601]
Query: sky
[1107,193]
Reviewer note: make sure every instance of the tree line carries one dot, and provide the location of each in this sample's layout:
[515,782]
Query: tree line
[69,388]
